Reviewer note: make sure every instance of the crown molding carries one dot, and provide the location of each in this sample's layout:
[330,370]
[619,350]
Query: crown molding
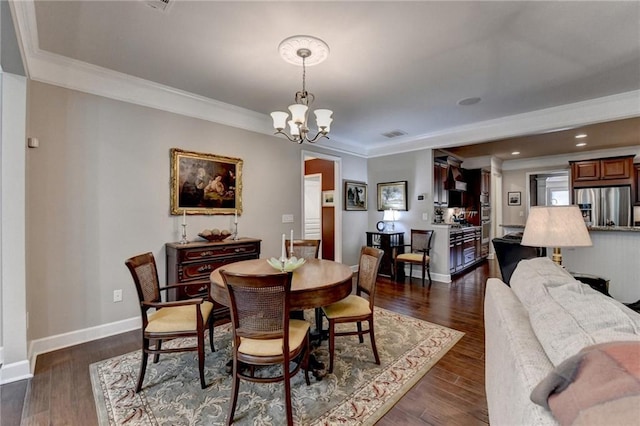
[77,75]
[607,108]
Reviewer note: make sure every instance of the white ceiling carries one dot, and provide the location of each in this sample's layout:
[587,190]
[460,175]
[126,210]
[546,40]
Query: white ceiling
[393,65]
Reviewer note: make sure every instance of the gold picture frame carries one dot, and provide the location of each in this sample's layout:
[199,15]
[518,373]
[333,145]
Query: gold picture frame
[205,184]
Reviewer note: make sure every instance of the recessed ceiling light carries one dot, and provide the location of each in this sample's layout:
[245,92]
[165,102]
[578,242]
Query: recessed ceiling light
[515,153]
[581,135]
[581,144]
[469,101]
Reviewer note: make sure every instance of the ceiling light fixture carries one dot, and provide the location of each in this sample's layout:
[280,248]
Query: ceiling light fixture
[303,50]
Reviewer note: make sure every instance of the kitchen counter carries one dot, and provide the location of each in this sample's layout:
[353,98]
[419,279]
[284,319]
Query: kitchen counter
[593,228]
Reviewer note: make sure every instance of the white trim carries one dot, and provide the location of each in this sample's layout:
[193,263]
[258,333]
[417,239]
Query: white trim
[607,108]
[52,343]
[77,75]
[14,372]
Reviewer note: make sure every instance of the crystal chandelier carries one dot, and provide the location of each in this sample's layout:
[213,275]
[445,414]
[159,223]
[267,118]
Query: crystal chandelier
[303,50]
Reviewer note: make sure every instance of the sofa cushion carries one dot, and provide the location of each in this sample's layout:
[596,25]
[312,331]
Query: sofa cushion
[566,315]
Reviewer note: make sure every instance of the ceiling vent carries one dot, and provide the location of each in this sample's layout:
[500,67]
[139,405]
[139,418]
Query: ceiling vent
[161,5]
[394,134]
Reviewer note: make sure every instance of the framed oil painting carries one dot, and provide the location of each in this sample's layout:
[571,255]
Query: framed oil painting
[205,183]
[513,198]
[355,195]
[392,195]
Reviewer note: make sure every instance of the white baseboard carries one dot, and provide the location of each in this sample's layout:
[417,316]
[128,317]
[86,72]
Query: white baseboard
[52,343]
[14,372]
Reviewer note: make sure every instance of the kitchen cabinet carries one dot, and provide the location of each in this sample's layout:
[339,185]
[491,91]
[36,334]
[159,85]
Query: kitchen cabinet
[440,195]
[387,242]
[194,262]
[602,172]
[637,183]
[465,248]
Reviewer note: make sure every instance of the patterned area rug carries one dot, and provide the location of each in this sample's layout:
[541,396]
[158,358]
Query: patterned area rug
[359,392]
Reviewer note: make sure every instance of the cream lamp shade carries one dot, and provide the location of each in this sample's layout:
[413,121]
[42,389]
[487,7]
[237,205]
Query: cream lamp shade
[390,216]
[556,226]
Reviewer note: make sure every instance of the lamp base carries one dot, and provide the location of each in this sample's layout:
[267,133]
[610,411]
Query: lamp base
[557,256]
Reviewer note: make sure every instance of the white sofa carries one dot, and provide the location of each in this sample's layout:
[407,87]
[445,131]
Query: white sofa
[545,317]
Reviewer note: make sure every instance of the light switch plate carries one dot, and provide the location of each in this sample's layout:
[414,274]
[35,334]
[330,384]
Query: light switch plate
[287,218]
[425,216]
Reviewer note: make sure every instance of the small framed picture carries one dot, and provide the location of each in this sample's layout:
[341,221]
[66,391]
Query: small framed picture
[513,198]
[392,195]
[355,195]
[327,199]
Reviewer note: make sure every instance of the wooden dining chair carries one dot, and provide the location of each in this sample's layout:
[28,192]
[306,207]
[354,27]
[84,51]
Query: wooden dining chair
[169,320]
[418,253]
[263,333]
[355,307]
[307,249]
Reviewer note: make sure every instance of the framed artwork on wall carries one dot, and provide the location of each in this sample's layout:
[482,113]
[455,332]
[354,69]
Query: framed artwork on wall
[513,198]
[327,199]
[205,183]
[355,195]
[392,195]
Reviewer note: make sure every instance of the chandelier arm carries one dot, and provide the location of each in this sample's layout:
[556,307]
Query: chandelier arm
[318,135]
[280,132]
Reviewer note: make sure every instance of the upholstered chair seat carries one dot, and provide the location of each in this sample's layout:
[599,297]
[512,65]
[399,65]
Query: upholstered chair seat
[273,347]
[350,306]
[178,318]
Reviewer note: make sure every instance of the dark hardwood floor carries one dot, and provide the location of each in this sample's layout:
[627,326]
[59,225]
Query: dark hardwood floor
[451,393]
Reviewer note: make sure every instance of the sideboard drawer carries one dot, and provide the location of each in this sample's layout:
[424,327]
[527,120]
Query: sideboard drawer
[201,270]
[219,249]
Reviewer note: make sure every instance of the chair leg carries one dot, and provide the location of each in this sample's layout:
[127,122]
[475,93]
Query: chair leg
[360,336]
[410,272]
[143,363]
[429,273]
[201,359]
[234,391]
[211,333]
[287,391]
[156,357]
[332,339]
[423,270]
[305,361]
[373,341]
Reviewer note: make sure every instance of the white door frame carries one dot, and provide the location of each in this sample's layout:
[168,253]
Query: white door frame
[337,161]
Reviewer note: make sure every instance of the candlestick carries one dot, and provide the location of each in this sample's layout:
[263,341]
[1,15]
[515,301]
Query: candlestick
[291,245]
[184,234]
[283,257]
[184,217]
[235,218]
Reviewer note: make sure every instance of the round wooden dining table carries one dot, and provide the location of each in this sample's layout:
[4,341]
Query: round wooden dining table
[317,283]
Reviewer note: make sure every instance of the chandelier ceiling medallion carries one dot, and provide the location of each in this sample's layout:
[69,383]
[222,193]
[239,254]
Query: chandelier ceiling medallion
[303,51]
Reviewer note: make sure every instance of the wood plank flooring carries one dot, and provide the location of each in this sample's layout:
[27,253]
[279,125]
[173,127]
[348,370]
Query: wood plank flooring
[451,393]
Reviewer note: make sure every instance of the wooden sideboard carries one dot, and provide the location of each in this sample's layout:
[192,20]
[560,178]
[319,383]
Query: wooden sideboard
[194,262]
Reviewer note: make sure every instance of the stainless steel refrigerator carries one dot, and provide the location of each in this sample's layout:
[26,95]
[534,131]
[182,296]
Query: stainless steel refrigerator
[609,206]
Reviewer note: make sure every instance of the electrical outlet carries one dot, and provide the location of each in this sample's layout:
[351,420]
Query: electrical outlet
[287,218]
[117,296]
[521,213]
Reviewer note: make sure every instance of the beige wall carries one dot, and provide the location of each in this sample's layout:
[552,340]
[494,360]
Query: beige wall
[516,180]
[98,193]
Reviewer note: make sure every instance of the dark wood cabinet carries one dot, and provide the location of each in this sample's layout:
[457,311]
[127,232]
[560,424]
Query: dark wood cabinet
[637,187]
[440,195]
[465,248]
[387,242]
[602,171]
[194,262]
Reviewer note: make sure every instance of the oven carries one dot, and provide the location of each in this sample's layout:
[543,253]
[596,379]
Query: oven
[485,213]
[486,231]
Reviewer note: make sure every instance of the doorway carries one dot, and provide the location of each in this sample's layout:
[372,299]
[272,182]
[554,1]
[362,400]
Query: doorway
[330,228]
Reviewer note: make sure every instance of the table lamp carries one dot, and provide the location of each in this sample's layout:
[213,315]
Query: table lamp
[556,226]
[390,216]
